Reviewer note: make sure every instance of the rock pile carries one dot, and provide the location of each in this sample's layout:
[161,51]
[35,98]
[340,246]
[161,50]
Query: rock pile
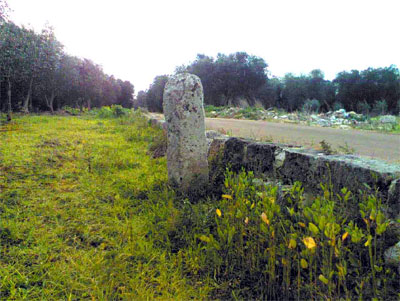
[340,118]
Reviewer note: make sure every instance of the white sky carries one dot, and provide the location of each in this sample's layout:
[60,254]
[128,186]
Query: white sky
[138,39]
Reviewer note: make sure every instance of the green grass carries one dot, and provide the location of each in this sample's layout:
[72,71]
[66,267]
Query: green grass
[76,212]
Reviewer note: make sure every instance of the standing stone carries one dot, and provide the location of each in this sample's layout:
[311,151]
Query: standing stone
[187,144]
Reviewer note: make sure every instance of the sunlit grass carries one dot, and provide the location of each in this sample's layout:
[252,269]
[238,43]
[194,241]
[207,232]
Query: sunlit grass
[74,219]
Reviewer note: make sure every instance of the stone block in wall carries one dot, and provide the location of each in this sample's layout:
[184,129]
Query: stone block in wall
[260,158]
[394,197]
[235,153]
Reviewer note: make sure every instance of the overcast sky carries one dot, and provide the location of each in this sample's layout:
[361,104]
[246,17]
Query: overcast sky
[138,39]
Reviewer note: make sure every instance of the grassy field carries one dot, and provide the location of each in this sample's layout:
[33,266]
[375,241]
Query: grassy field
[86,213]
[76,212]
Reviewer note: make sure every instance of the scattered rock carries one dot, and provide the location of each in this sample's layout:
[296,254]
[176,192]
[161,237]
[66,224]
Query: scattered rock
[388,119]
[324,123]
[212,134]
[329,119]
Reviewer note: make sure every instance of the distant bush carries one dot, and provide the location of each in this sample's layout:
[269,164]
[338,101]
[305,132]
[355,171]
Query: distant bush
[119,111]
[363,107]
[380,107]
[211,108]
[337,106]
[115,111]
[71,111]
[311,105]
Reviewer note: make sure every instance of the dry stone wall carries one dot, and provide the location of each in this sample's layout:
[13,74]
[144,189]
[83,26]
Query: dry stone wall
[289,164]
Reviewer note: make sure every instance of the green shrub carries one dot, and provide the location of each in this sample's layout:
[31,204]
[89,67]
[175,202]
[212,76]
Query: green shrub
[115,111]
[72,111]
[104,112]
[263,245]
[119,111]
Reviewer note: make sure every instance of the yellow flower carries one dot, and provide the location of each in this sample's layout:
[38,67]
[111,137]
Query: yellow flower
[218,212]
[272,200]
[227,196]
[302,224]
[344,236]
[246,220]
[264,218]
[309,242]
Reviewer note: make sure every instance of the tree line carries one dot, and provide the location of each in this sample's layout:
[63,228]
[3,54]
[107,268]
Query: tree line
[36,74]
[240,78]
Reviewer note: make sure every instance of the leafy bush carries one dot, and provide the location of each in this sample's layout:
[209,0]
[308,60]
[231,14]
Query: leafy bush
[119,111]
[115,111]
[104,112]
[72,111]
[266,244]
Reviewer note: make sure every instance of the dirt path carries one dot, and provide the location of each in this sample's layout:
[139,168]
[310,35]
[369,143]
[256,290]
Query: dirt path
[365,143]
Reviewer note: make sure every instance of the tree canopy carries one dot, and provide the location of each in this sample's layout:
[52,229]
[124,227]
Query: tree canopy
[242,79]
[37,74]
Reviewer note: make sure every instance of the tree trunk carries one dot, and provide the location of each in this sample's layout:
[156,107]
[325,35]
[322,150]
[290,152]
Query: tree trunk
[89,102]
[9,109]
[50,101]
[327,105]
[25,107]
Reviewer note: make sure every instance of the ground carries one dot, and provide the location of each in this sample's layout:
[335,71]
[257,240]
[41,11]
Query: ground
[73,219]
[86,213]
